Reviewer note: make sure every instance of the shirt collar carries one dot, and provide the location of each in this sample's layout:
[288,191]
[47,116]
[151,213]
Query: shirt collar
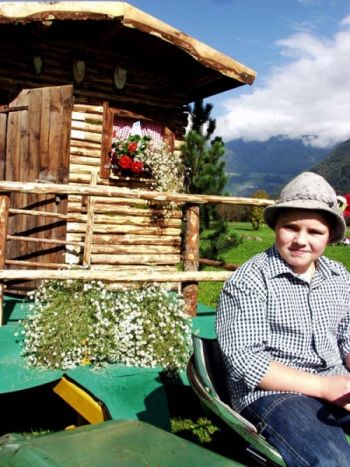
[278,266]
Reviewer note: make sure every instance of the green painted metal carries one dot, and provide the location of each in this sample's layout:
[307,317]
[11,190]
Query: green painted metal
[204,387]
[115,443]
[127,392]
[15,375]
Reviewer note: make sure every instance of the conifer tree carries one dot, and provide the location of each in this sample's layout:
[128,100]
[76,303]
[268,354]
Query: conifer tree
[204,159]
[206,174]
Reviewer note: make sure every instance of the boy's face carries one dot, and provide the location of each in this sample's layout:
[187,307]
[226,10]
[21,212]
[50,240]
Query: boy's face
[301,238]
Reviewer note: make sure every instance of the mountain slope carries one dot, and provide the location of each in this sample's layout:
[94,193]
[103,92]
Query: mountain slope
[268,165]
[335,168]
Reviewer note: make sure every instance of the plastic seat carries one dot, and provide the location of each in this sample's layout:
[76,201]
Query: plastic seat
[206,374]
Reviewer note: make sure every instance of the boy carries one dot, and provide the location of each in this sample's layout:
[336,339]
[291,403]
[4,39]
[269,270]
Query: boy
[283,325]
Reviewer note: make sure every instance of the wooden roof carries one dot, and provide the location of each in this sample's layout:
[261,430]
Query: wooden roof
[203,71]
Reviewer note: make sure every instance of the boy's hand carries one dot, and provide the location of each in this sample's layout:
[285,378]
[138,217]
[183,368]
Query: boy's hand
[336,389]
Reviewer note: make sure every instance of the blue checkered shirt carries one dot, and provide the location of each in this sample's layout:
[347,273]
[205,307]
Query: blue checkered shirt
[267,312]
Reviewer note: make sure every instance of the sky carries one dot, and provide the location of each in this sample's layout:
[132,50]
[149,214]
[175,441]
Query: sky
[300,50]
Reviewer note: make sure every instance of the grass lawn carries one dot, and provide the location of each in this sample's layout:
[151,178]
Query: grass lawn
[256,241]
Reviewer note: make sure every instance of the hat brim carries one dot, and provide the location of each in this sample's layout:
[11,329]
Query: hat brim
[338,228]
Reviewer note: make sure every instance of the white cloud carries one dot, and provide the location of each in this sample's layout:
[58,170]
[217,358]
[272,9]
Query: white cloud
[307,98]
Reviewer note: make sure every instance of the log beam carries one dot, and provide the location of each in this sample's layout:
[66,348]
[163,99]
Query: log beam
[191,257]
[4,214]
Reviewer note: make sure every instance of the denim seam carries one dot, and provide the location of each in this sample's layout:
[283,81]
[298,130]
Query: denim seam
[263,424]
[278,402]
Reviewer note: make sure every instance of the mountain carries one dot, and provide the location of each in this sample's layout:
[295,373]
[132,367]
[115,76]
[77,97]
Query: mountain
[268,165]
[335,168]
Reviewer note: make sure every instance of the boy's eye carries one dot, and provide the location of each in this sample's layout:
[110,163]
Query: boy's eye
[290,227]
[316,232]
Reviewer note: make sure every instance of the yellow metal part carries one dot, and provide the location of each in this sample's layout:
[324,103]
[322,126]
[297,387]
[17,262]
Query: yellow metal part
[80,400]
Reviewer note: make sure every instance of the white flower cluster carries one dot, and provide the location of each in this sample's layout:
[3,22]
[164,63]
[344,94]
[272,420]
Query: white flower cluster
[167,168]
[74,323]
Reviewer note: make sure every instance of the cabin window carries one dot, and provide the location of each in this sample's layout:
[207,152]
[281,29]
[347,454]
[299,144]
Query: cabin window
[117,125]
[122,127]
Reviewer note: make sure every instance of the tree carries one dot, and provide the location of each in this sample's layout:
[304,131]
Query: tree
[204,160]
[205,169]
[257,213]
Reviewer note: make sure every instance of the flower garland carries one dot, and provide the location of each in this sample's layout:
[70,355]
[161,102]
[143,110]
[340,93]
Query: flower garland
[140,155]
[74,323]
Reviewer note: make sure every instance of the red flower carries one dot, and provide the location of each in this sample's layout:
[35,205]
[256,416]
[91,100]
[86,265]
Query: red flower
[125,162]
[132,147]
[346,212]
[137,167]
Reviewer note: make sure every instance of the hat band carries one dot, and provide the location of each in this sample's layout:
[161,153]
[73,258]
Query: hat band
[309,197]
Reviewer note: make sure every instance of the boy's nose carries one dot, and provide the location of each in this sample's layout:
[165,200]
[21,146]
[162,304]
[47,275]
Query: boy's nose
[300,238]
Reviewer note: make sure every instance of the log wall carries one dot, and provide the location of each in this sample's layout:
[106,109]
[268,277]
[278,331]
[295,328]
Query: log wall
[126,235]
[151,87]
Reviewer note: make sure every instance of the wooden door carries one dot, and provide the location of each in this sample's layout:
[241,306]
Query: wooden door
[34,147]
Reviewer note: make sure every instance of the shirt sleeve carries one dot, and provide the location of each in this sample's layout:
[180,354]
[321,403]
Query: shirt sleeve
[343,335]
[242,332]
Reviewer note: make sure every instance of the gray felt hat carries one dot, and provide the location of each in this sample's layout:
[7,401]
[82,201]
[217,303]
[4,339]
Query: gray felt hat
[309,191]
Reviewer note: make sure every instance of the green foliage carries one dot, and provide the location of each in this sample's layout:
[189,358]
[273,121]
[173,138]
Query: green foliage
[335,168]
[219,240]
[233,213]
[204,162]
[206,175]
[203,428]
[78,323]
[201,121]
[257,213]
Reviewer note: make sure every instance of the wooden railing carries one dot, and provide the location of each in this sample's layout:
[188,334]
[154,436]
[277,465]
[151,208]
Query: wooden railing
[189,277]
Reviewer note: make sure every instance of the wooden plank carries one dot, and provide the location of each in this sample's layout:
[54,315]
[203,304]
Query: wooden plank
[39,151]
[79,227]
[3,127]
[107,127]
[79,160]
[86,127]
[111,276]
[116,249]
[137,220]
[4,215]
[115,202]
[82,135]
[125,209]
[93,109]
[80,169]
[36,264]
[128,239]
[86,117]
[86,152]
[128,194]
[191,257]
[43,240]
[134,259]
[76,143]
[89,224]
[130,269]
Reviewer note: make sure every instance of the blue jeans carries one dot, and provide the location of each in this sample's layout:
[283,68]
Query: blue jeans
[306,431]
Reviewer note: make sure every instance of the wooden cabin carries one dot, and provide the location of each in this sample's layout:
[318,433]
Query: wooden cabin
[75,76]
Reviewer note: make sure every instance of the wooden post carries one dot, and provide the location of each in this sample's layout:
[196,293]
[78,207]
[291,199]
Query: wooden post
[191,257]
[89,223]
[107,128]
[4,215]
